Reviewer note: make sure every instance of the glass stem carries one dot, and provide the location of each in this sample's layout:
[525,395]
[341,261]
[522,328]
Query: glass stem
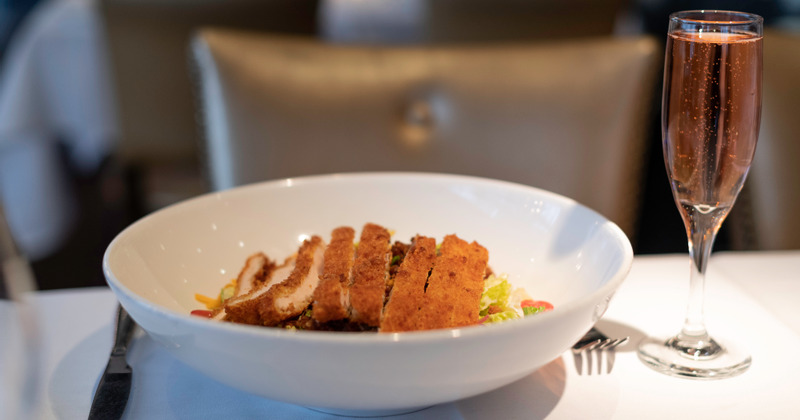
[693,338]
[700,251]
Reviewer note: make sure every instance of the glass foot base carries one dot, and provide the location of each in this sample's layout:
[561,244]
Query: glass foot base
[713,361]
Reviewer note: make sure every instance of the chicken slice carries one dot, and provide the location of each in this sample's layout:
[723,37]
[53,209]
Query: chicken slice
[331,296]
[473,275]
[243,308]
[370,271]
[452,297]
[405,299]
[257,269]
[293,295]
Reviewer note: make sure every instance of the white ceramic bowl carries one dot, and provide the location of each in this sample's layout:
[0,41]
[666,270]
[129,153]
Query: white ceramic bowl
[555,248]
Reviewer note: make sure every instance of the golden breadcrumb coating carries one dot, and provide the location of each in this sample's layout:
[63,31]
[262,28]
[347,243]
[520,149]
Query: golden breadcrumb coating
[330,298]
[455,284]
[292,296]
[468,297]
[370,271]
[359,287]
[257,273]
[405,299]
[257,269]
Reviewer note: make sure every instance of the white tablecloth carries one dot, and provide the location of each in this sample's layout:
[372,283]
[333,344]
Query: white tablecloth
[749,299]
[55,86]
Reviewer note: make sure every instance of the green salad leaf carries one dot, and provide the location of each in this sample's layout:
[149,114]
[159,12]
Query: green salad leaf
[496,300]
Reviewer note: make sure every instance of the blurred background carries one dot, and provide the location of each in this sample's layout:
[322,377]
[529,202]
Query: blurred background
[102,116]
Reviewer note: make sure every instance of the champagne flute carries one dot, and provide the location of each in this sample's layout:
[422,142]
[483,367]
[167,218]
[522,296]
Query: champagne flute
[710,119]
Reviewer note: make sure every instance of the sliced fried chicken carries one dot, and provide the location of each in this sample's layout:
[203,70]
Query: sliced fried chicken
[452,297]
[370,271]
[257,270]
[292,296]
[243,307]
[331,296]
[405,299]
[468,297]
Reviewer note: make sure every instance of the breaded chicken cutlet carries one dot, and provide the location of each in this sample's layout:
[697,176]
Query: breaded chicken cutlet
[243,308]
[453,295]
[406,296]
[331,299]
[370,272]
[292,296]
[368,286]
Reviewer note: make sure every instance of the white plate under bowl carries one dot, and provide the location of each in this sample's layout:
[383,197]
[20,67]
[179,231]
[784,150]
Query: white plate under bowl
[555,248]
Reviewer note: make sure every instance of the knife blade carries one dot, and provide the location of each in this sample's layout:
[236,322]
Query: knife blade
[111,396]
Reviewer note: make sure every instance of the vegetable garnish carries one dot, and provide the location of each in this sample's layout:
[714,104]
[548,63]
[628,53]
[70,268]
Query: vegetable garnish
[530,307]
[211,303]
[224,294]
[202,313]
[500,302]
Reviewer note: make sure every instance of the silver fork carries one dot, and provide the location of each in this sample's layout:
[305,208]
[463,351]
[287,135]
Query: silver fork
[593,348]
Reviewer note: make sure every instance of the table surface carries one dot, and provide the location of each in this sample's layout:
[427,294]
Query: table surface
[750,299]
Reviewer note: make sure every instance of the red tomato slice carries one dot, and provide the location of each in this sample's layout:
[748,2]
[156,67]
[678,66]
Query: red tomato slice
[536,303]
[203,313]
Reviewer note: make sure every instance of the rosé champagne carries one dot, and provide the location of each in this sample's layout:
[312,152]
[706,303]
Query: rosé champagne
[711,114]
[710,119]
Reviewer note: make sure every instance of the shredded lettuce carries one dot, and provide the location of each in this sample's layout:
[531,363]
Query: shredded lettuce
[496,291]
[500,301]
[496,300]
[530,310]
[507,314]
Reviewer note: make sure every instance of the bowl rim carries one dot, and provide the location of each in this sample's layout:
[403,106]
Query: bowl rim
[606,290]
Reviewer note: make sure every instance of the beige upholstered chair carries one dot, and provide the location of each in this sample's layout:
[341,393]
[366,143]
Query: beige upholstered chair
[773,185]
[569,117]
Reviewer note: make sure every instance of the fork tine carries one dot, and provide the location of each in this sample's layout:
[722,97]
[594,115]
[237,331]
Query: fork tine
[590,361]
[588,352]
[578,359]
[610,358]
[590,345]
[607,350]
[621,341]
[593,352]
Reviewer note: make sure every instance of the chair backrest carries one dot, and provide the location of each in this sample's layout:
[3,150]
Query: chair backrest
[774,180]
[570,117]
